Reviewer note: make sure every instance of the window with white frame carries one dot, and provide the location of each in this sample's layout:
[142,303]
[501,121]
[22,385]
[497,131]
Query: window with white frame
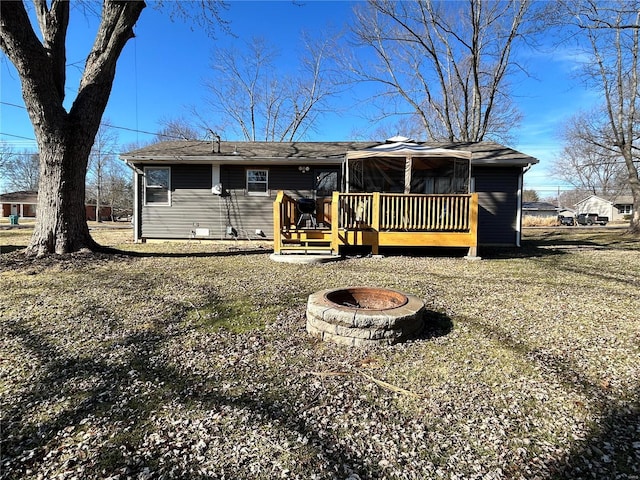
[257,182]
[157,185]
[624,209]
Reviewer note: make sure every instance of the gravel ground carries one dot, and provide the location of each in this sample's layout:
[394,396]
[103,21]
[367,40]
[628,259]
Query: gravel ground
[183,362]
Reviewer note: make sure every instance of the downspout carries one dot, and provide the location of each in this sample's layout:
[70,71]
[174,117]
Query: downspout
[137,211]
[136,202]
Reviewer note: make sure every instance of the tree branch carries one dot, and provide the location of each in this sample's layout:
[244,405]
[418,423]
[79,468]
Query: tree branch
[116,28]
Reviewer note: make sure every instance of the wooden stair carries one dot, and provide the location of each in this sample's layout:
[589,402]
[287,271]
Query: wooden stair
[305,242]
[306,246]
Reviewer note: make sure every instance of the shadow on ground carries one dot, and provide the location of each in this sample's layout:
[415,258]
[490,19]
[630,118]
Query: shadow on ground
[33,437]
[613,445]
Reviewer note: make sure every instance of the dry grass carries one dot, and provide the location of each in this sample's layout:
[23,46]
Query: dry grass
[190,360]
[533,221]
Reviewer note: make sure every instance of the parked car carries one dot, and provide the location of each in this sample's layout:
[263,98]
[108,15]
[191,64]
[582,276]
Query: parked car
[591,219]
[563,220]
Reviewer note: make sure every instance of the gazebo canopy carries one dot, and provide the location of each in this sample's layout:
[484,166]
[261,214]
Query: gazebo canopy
[404,147]
[402,166]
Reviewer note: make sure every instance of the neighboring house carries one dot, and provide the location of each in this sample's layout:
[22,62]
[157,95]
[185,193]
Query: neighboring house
[105,212]
[218,190]
[539,209]
[22,203]
[616,208]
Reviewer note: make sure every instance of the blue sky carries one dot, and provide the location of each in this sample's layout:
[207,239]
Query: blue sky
[161,74]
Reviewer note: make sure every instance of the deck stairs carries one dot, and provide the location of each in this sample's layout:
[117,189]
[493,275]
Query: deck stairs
[306,242]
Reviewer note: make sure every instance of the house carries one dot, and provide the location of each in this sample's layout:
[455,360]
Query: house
[397,192]
[539,209]
[24,205]
[21,203]
[617,208]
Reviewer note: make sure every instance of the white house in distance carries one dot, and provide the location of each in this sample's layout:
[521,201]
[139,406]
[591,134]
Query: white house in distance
[616,209]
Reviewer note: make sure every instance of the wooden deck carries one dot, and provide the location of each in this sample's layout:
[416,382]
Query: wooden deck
[377,220]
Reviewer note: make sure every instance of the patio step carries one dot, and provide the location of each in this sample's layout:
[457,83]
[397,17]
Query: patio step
[304,250]
[306,241]
[306,246]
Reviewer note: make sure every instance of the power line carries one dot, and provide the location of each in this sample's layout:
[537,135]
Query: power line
[134,130]
[18,136]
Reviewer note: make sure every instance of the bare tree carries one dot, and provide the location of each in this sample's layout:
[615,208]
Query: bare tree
[117,189]
[530,196]
[447,63]
[587,161]
[569,198]
[7,154]
[65,138]
[21,171]
[258,102]
[610,34]
[179,128]
[102,157]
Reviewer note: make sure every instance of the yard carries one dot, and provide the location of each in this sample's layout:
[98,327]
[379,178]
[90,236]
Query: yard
[191,360]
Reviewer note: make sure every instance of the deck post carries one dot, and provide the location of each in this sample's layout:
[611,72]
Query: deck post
[277,222]
[473,228]
[335,222]
[375,222]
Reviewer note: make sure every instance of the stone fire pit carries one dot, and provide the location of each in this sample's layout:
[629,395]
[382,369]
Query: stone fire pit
[364,316]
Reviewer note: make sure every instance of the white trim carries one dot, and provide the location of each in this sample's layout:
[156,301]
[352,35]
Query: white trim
[145,187]
[519,209]
[215,174]
[137,211]
[266,182]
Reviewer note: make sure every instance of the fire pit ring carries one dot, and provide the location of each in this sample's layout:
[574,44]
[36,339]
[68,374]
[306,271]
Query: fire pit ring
[364,316]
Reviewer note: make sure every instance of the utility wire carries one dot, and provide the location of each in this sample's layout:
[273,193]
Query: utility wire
[134,130]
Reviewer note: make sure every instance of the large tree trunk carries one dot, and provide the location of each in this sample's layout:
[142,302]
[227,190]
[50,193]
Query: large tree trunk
[62,222]
[64,138]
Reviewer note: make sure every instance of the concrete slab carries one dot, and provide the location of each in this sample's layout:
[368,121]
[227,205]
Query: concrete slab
[303,259]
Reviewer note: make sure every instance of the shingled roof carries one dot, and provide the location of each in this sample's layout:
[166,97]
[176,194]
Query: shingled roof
[483,153]
[25,196]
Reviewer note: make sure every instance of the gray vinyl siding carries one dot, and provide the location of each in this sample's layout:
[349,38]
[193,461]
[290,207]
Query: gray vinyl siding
[248,213]
[497,189]
[193,205]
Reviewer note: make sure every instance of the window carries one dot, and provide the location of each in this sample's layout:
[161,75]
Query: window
[326,182]
[258,182]
[624,209]
[157,185]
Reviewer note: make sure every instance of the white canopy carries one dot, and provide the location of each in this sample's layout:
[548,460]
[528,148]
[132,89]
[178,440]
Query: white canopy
[407,150]
[400,147]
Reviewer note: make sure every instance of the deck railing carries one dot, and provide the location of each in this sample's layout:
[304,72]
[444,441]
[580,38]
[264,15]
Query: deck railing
[385,211]
[453,218]
[284,217]
[402,212]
